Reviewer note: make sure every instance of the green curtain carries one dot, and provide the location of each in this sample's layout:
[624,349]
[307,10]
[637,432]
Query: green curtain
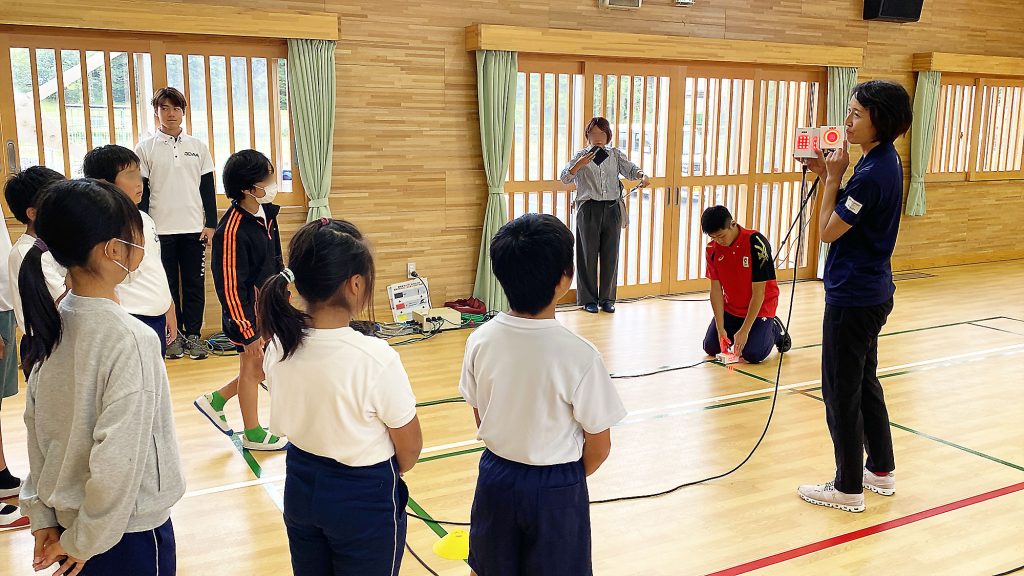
[926,101]
[841,81]
[496,73]
[840,86]
[311,89]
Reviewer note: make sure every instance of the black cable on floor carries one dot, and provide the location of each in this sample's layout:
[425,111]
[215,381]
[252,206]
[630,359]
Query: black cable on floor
[420,560]
[1017,569]
[661,370]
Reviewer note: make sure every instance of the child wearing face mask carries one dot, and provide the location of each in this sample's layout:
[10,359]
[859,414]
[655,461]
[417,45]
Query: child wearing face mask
[144,293]
[246,251]
[104,469]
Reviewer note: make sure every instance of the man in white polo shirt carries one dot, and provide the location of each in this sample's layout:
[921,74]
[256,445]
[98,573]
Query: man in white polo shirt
[180,196]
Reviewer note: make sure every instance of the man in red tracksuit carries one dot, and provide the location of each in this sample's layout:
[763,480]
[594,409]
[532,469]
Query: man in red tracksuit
[744,294]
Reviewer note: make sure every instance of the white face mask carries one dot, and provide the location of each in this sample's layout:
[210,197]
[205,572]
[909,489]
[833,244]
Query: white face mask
[269,193]
[129,275]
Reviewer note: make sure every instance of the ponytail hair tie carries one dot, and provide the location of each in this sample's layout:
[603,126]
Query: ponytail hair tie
[288,275]
[324,222]
[41,245]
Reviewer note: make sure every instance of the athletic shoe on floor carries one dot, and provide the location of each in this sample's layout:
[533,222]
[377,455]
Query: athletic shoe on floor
[10,485]
[196,348]
[827,495]
[176,349]
[783,343]
[10,516]
[216,417]
[884,485]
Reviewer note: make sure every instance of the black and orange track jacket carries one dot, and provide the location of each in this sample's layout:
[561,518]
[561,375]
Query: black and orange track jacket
[246,251]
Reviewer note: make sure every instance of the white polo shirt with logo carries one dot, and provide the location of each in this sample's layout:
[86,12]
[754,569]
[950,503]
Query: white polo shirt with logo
[174,166]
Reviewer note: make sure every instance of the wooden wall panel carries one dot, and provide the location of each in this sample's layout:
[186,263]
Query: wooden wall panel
[588,43]
[987,27]
[166,17]
[397,152]
[407,165]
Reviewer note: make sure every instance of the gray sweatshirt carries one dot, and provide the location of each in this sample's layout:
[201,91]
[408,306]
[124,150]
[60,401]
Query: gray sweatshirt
[103,456]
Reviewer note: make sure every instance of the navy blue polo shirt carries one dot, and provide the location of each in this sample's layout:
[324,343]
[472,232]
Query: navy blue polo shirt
[858,269]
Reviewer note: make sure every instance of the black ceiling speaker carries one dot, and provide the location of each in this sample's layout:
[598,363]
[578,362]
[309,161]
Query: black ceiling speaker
[893,10]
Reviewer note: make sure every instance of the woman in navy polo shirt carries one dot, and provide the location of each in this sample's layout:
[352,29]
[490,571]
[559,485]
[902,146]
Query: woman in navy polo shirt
[860,222]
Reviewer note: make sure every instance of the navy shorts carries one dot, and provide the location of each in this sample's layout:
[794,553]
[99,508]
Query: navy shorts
[344,520]
[159,325]
[149,553]
[530,520]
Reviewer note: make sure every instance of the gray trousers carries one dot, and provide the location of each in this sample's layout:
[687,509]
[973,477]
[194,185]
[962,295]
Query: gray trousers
[598,226]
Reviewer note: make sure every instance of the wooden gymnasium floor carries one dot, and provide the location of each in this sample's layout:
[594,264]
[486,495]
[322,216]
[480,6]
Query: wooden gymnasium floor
[950,359]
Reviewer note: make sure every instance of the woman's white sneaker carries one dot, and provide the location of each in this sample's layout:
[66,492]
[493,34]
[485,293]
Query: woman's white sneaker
[884,485]
[827,495]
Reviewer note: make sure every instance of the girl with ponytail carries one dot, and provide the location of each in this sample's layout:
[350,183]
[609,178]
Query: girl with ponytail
[346,405]
[103,457]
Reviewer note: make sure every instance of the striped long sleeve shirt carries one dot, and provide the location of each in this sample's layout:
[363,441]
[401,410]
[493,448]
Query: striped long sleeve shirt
[600,182]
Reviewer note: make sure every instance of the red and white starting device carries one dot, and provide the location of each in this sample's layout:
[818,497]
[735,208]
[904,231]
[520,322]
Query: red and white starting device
[727,358]
[806,140]
[825,138]
[832,137]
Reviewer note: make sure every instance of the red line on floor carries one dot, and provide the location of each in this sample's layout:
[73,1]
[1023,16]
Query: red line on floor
[864,532]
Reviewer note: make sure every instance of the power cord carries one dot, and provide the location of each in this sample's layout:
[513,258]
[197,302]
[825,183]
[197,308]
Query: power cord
[417,557]
[426,289]
[660,370]
[1014,570]
[219,345]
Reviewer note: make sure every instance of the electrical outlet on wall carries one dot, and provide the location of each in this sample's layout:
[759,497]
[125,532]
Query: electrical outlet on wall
[410,269]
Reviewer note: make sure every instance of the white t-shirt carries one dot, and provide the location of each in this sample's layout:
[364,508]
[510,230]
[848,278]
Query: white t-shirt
[6,290]
[538,387]
[54,273]
[148,293]
[174,167]
[338,394]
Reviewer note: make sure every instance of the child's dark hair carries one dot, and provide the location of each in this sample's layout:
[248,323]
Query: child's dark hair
[715,219]
[243,170]
[889,106]
[529,256]
[322,255]
[74,216]
[106,162]
[23,189]
[171,95]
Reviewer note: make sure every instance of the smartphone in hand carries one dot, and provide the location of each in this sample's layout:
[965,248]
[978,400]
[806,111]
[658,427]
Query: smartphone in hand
[601,155]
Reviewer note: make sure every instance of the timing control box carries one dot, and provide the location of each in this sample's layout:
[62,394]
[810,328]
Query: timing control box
[437,319]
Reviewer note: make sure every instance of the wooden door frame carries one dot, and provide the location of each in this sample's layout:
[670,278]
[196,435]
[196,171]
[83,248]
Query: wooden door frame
[673,72]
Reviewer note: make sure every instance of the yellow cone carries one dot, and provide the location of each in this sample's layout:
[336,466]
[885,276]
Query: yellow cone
[454,546]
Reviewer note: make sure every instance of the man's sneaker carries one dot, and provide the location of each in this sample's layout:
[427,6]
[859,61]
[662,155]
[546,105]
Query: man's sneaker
[215,416]
[269,443]
[176,349]
[783,342]
[884,485]
[10,488]
[10,516]
[196,348]
[827,495]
